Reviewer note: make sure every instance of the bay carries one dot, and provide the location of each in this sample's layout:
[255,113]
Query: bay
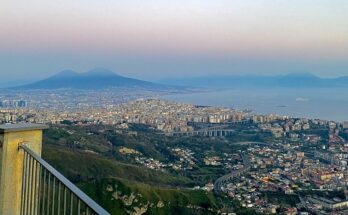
[322,103]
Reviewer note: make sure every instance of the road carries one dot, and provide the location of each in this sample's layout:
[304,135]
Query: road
[236,173]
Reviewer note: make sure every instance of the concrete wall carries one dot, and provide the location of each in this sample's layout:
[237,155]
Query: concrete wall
[11,165]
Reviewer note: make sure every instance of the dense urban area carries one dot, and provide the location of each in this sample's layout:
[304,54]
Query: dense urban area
[246,162]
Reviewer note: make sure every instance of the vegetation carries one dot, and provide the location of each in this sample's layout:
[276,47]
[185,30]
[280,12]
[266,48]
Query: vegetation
[81,167]
[90,156]
[103,179]
[119,196]
[282,199]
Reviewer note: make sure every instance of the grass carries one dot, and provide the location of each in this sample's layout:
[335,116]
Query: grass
[174,201]
[80,167]
[95,174]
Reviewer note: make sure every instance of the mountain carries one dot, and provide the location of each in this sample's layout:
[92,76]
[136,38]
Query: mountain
[100,78]
[65,74]
[95,79]
[294,80]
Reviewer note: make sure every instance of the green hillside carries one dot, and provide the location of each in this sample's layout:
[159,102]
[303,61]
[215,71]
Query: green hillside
[124,197]
[128,189]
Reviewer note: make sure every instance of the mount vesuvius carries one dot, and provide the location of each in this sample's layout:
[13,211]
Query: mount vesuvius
[96,79]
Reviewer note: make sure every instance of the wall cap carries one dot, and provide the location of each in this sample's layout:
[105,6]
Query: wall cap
[7,128]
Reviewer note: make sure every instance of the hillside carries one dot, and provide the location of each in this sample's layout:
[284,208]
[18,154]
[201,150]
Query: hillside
[80,166]
[127,189]
[125,197]
[111,165]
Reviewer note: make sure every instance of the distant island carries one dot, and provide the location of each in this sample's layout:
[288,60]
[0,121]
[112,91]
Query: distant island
[293,80]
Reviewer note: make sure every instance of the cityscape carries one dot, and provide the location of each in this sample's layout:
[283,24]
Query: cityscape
[185,107]
[293,165]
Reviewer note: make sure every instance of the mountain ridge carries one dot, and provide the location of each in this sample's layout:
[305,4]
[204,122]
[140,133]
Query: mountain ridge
[292,80]
[100,78]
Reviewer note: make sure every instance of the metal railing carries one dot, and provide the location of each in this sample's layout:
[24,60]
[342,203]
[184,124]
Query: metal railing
[46,191]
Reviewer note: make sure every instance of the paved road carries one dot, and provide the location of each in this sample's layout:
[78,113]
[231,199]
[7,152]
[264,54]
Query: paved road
[236,173]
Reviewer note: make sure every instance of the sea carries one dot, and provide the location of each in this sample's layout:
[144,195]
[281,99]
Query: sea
[322,103]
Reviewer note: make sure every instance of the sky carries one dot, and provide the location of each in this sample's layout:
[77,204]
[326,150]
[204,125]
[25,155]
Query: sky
[156,39]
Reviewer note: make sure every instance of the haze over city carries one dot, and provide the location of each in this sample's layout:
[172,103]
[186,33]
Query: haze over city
[159,39]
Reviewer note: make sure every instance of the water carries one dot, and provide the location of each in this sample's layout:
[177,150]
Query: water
[329,104]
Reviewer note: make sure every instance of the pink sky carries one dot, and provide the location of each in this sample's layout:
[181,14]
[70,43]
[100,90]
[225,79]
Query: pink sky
[309,30]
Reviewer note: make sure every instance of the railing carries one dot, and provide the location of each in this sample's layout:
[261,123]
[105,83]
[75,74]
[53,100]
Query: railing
[46,191]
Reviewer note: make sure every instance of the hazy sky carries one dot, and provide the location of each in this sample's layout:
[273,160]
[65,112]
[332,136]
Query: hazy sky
[152,39]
